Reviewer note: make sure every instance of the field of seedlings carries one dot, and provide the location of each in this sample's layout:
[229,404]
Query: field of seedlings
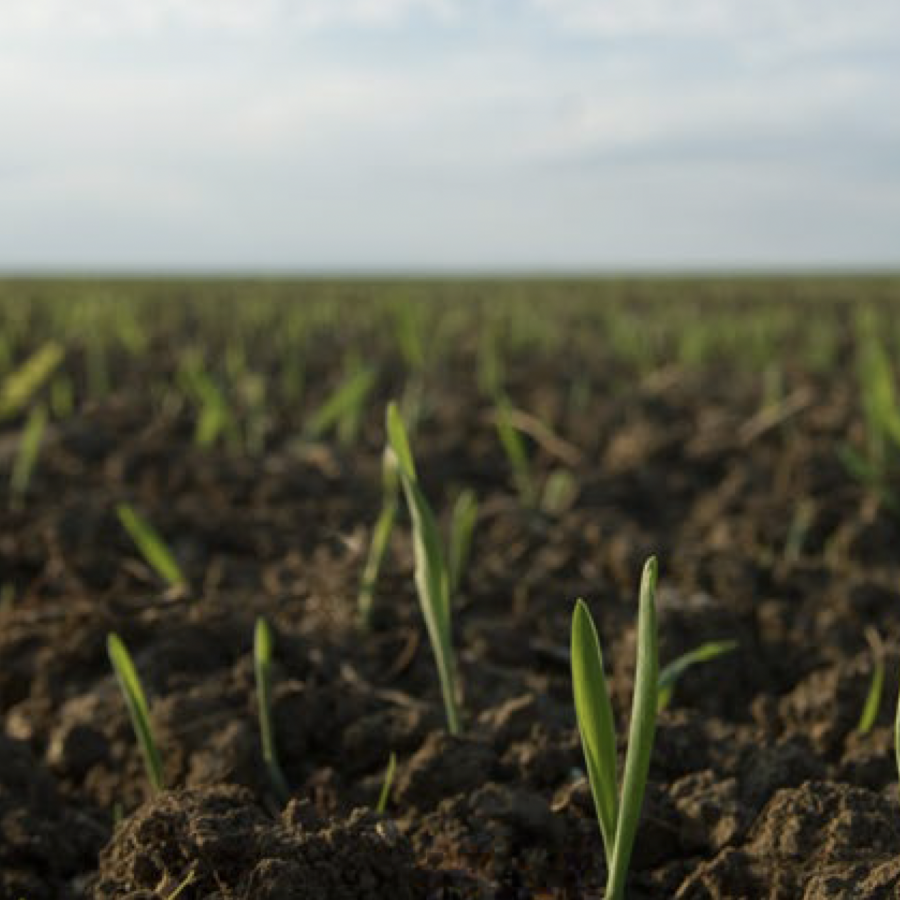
[290,571]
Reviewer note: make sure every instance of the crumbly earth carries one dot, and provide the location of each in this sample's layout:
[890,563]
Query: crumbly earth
[760,784]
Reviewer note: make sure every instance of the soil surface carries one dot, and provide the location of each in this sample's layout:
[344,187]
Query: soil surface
[761,785]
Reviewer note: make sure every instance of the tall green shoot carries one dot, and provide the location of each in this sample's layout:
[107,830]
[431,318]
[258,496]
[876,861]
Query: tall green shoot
[432,577]
[618,806]
[263,645]
[138,710]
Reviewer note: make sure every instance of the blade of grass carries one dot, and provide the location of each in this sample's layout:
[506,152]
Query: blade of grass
[432,581]
[20,386]
[263,645]
[462,527]
[595,722]
[641,733]
[516,454]
[27,455]
[151,545]
[876,686]
[381,534]
[386,785]
[672,672]
[136,701]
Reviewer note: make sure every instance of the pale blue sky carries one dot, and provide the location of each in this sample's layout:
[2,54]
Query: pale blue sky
[449,134]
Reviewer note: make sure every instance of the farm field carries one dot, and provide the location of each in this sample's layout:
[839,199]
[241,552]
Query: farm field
[182,461]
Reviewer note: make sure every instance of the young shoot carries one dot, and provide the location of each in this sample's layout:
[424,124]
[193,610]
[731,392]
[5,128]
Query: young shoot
[27,455]
[263,645]
[462,527]
[618,806]
[516,453]
[136,701]
[19,386]
[432,577]
[381,534]
[386,785]
[876,685]
[152,547]
[343,410]
[672,672]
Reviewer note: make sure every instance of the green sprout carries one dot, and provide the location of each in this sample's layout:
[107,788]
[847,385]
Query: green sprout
[672,672]
[342,411]
[152,547]
[381,534]
[432,578]
[136,701]
[26,457]
[876,685]
[462,526]
[18,387]
[618,809]
[263,644]
[214,416]
[876,464]
[385,793]
[516,453]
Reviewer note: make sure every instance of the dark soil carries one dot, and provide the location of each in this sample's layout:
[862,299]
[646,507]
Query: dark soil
[760,785]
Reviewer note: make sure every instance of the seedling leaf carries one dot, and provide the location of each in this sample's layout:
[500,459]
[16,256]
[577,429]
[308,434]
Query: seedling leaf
[595,722]
[672,672]
[432,580]
[262,664]
[151,546]
[136,701]
[385,793]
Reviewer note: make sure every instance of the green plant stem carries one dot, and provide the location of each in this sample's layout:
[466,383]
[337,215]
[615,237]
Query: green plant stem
[263,647]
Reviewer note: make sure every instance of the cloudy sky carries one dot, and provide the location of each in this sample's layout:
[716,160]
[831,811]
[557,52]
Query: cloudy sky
[449,134]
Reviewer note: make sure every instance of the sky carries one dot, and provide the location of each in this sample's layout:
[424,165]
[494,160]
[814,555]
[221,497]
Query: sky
[449,135]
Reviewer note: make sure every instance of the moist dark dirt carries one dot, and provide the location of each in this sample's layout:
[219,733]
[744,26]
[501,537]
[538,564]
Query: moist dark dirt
[760,785]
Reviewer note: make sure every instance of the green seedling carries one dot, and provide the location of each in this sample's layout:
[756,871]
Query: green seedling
[876,685]
[672,672]
[432,578]
[618,809]
[27,455]
[263,644]
[136,701]
[516,453]
[879,460]
[559,493]
[21,385]
[152,547]
[214,416]
[385,793]
[462,527]
[381,534]
[342,411]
